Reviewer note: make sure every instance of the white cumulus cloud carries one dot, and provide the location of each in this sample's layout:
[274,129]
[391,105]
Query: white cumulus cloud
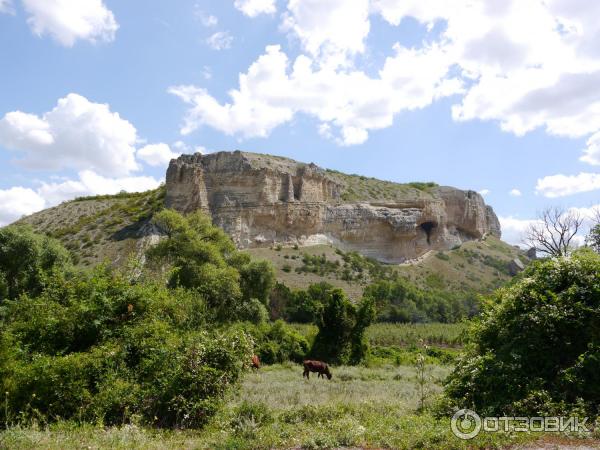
[207,20]
[555,186]
[253,8]
[70,20]
[329,31]
[523,73]
[221,40]
[513,229]
[18,201]
[76,134]
[90,183]
[591,154]
[515,193]
[157,155]
[348,103]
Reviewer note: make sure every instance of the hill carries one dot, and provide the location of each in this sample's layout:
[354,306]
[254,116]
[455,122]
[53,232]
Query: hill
[113,228]
[263,200]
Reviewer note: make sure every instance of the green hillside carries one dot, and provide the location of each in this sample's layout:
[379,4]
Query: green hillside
[100,228]
[111,228]
[477,267]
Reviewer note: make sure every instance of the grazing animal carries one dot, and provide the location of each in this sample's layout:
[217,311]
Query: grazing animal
[255,362]
[316,366]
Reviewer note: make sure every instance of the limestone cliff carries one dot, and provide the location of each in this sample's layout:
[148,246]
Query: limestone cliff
[261,200]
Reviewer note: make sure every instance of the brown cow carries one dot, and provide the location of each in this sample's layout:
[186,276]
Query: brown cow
[255,362]
[316,366]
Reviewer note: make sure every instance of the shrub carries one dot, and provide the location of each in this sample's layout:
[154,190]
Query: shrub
[96,347]
[26,260]
[536,347]
[204,259]
[276,342]
[341,337]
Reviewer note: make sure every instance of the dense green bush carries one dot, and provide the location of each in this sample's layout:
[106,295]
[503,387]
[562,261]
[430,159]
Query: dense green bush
[398,300]
[342,325]
[26,260]
[96,347]
[276,342]
[204,259]
[536,348]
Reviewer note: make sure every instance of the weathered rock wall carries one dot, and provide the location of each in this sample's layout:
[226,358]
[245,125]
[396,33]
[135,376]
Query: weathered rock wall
[260,200]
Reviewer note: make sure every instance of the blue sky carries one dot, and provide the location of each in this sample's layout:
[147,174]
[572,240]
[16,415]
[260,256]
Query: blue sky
[502,98]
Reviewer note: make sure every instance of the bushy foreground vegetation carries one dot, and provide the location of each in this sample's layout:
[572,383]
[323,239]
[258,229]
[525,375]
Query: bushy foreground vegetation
[164,347]
[276,408]
[113,347]
[536,349]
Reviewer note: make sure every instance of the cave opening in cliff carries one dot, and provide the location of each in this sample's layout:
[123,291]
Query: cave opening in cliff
[428,227]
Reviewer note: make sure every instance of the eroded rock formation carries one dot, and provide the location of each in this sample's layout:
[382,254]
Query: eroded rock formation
[261,200]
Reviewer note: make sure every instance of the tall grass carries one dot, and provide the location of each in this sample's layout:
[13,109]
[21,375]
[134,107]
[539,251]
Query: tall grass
[405,335]
[277,408]
[401,335]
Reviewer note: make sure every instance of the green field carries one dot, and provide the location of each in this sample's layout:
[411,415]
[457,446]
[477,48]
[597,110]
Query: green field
[276,408]
[371,406]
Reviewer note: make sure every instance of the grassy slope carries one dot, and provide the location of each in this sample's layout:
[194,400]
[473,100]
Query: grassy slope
[475,266]
[106,228]
[102,228]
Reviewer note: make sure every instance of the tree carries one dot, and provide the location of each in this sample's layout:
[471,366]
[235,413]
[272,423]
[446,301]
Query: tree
[257,281]
[203,258]
[27,259]
[536,348]
[342,325]
[593,238]
[554,232]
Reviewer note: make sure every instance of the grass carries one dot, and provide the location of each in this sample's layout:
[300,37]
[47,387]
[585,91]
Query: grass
[99,228]
[436,334]
[277,408]
[404,335]
[474,267]
[362,188]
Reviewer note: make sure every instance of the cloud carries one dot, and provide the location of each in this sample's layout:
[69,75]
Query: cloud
[6,7]
[76,134]
[485,192]
[348,103]
[67,21]
[513,229]
[253,8]
[555,186]
[156,155]
[515,193]
[221,40]
[331,31]
[90,183]
[524,74]
[591,154]
[207,20]
[18,201]
[206,72]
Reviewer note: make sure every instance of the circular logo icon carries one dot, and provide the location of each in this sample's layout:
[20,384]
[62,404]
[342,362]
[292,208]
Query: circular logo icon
[466,424]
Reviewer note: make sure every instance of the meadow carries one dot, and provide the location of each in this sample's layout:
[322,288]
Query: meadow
[375,405]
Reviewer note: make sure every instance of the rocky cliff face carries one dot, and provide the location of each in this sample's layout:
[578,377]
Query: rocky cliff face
[261,200]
